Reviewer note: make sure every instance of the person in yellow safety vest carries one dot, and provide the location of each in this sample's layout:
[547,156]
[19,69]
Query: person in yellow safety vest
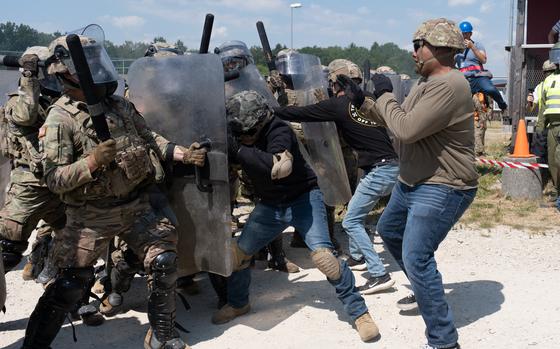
[533,96]
[549,118]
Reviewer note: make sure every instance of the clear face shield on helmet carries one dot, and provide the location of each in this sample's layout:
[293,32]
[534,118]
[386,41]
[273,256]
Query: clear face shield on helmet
[100,65]
[291,63]
[234,55]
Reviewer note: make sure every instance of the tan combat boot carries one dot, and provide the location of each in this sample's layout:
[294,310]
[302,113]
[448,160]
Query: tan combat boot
[366,327]
[228,313]
[98,287]
[27,272]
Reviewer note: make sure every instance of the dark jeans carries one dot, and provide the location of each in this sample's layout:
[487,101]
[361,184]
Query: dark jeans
[414,223]
[308,215]
[484,85]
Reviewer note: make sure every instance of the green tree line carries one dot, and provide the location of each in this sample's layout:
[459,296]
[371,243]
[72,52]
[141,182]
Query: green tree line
[17,37]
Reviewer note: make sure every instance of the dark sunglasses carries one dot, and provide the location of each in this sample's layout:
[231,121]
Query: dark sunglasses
[418,44]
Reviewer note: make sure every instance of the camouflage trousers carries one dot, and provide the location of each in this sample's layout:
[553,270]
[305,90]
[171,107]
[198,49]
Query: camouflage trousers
[90,229]
[25,205]
[479,134]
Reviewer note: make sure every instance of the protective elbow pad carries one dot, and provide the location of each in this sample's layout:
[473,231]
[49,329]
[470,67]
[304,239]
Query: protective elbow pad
[327,263]
[282,165]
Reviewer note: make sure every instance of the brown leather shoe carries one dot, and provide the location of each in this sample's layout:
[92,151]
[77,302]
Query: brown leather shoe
[366,327]
[228,313]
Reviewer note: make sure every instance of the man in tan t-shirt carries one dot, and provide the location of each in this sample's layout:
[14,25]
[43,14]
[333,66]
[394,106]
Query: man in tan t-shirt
[438,180]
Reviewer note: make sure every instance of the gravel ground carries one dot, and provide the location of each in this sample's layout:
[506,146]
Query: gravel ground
[501,284]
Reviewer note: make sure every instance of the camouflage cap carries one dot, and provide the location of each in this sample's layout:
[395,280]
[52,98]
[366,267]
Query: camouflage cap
[548,66]
[58,48]
[162,49]
[245,110]
[346,67]
[440,32]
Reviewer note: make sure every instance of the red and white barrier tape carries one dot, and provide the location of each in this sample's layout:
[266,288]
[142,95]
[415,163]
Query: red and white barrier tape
[511,164]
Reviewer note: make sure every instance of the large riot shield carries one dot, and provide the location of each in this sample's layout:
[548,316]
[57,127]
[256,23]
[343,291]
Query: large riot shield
[398,87]
[321,138]
[182,97]
[250,79]
[8,83]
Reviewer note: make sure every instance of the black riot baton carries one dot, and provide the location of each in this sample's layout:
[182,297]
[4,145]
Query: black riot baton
[367,75]
[13,61]
[206,143]
[93,101]
[97,113]
[266,47]
[206,33]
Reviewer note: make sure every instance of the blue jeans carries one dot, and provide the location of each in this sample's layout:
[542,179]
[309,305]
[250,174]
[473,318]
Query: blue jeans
[308,216]
[378,182]
[485,85]
[414,223]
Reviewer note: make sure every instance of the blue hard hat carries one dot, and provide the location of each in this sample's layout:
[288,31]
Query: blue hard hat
[466,27]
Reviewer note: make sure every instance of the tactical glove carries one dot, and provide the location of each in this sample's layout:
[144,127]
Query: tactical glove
[351,90]
[30,65]
[194,155]
[276,81]
[105,152]
[382,84]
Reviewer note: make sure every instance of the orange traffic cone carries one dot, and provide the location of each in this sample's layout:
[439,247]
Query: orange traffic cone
[521,149]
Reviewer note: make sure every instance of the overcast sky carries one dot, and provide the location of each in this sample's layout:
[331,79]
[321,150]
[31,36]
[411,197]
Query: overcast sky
[321,23]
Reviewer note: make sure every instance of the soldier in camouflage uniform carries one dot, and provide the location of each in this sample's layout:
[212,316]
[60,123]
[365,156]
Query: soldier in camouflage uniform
[482,113]
[126,263]
[103,185]
[28,199]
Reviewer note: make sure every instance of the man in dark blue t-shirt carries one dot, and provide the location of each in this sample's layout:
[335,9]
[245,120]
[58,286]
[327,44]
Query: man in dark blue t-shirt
[471,63]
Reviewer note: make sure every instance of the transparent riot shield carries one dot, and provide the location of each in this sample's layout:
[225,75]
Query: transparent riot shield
[321,138]
[8,83]
[182,98]
[250,79]
[398,87]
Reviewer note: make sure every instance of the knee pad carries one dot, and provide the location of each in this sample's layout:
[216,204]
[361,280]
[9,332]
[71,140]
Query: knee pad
[164,270]
[241,260]
[70,287]
[327,263]
[12,253]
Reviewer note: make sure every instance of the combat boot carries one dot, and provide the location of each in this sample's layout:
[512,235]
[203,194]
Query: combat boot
[48,273]
[98,287]
[90,315]
[278,260]
[228,313]
[27,272]
[366,327]
[151,342]
[112,305]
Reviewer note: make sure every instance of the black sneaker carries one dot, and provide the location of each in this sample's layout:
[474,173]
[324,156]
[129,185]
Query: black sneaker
[354,264]
[427,346]
[376,284]
[407,303]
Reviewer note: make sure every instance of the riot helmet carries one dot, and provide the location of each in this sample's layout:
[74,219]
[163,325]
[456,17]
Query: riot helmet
[234,55]
[162,49]
[247,112]
[49,84]
[345,67]
[103,71]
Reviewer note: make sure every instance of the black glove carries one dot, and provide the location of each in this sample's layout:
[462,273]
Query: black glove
[382,84]
[233,148]
[351,89]
[30,65]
